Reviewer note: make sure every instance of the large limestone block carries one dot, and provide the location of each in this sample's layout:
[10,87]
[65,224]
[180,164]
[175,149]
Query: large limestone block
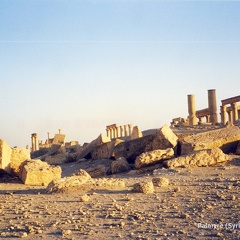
[36,172]
[86,152]
[202,158]
[5,156]
[133,148]
[225,138]
[120,165]
[105,150]
[165,138]
[152,157]
[18,156]
[56,159]
[69,183]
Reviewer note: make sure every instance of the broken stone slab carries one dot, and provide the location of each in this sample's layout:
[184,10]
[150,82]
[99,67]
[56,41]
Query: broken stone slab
[69,183]
[86,151]
[163,139]
[56,159]
[37,172]
[152,157]
[120,165]
[201,158]
[18,156]
[225,138]
[5,156]
[105,150]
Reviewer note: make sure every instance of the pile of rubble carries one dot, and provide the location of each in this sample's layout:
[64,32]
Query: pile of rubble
[104,156]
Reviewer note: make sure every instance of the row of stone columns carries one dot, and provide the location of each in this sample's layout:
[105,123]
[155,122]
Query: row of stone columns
[114,131]
[233,113]
[35,143]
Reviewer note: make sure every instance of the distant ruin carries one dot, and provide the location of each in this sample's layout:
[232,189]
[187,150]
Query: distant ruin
[210,114]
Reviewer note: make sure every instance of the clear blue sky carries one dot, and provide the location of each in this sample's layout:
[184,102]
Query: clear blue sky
[80,65]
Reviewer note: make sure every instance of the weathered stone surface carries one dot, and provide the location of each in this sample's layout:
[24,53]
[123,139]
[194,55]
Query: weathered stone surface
[202,158]
[238,149]
[136,133]
[120,165]
[153,157]
[165,138]
[5,156]
[109,183]
[105,150]
[18,156]
[36,172]
[97,171]
[144,187]
[56,159]
[225,138]
[88,148]
[160,181]
[67,183]
[131,149]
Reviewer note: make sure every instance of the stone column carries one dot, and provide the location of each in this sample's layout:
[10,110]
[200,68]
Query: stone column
[212,105]
[234,111]
[108,132]
[33,141]
[125,130]
[117,131]
[130,129]
[36,142]
[200,120]
[111,133]
[207,118]
[229,116]
[223,114]
[121,131]
[59,130]
[48,137]
[192,110]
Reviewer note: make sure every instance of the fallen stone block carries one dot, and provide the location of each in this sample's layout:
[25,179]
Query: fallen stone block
[88,148]
[5,156]
[18,156]
[36,172]
[109,183]
[152,157]
[105,150]
[225,138]
[160,182]
[133,148]
[144,187]
[201,158]
[56,159]
[97,171]
[120,165]
[163,139]
[69,183]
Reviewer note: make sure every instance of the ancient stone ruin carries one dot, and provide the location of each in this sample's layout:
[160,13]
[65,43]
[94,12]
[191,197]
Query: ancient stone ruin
[126,148]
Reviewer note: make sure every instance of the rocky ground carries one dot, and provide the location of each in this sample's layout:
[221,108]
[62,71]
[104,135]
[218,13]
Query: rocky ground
[198,203]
